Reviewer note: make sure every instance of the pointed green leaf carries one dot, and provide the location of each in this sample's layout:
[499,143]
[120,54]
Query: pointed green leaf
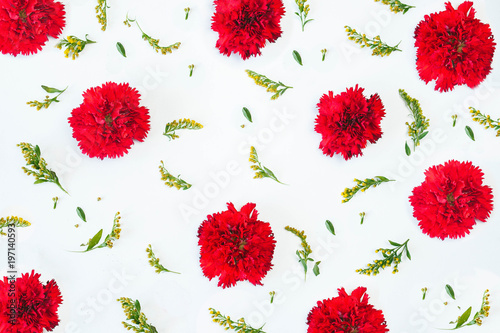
[121,49]
[407,149]
[138,305]
[394,243]
[316,268]
[297,57]
[470,133]
[37,151]
[51,90]
[81,214]
[382,178]
[463,318]
[449,291]
[330,227]
[247,114]
[93,242]
[423,135]
[408,254]
[39,181]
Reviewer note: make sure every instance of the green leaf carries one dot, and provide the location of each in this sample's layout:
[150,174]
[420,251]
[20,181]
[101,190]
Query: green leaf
[93,242]
[51,90]
[330,227]
[247,114]
[463,318]
[297,57]
[470,133]
[382,178]
[138,305]
[421,136]
[81,214]
[408,254]
[121,49]
[449,291]
[394,243]
[39,181]
[37,151]
[316,268]
[407,149]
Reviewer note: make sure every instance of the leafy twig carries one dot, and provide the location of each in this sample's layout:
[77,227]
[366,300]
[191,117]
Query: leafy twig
[483,312]
[260,170]
[302,13]
[379,48]
[152,41]
[278,88]
[39,169]
[391,256]
[396,6]
[239,326]
[102,15]
[47,101]
[9,220]
[417,130]
[304,254]
[485,120]
[155,262]
[363,185]
[108,240]
[133,313]
[175,125]
[73,45]
[172,181]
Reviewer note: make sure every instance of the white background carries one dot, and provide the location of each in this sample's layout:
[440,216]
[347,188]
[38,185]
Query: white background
[283,133]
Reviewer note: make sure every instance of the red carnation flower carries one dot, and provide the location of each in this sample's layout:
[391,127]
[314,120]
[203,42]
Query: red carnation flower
[346,314]
[36,305]
[235,246]
[450,200]
[109,120]
[348,121]
[25,24]
[244,26]
[454,48]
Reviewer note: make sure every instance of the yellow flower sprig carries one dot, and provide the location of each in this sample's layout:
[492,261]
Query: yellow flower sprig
[260,170]
[102,15]
[108,240]
[304,254]
[133,313]
[363,185]
[155,262]
[152,41]
[37,166]
[417,130]
[278,88]
[239,326]
[172,181]
[73,46]
[175,125]
[485,120]
[18,222]
[483,312]
[378,47]
[187,10]
[391,257]
[302,13]
[47,101]
[396,6]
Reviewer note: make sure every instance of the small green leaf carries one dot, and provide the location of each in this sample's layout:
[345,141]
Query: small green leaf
[37,151]
[382,178]
[330,227]
[39,181]
[449,291]
[93,242]
[297,57]
[247,114]
[407,149]
[138,305]
[81,214]
[463,318]
[121,49]
[51,90]
[316,268]
[408,254]
[470,133]
[394,243]
[423,135]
